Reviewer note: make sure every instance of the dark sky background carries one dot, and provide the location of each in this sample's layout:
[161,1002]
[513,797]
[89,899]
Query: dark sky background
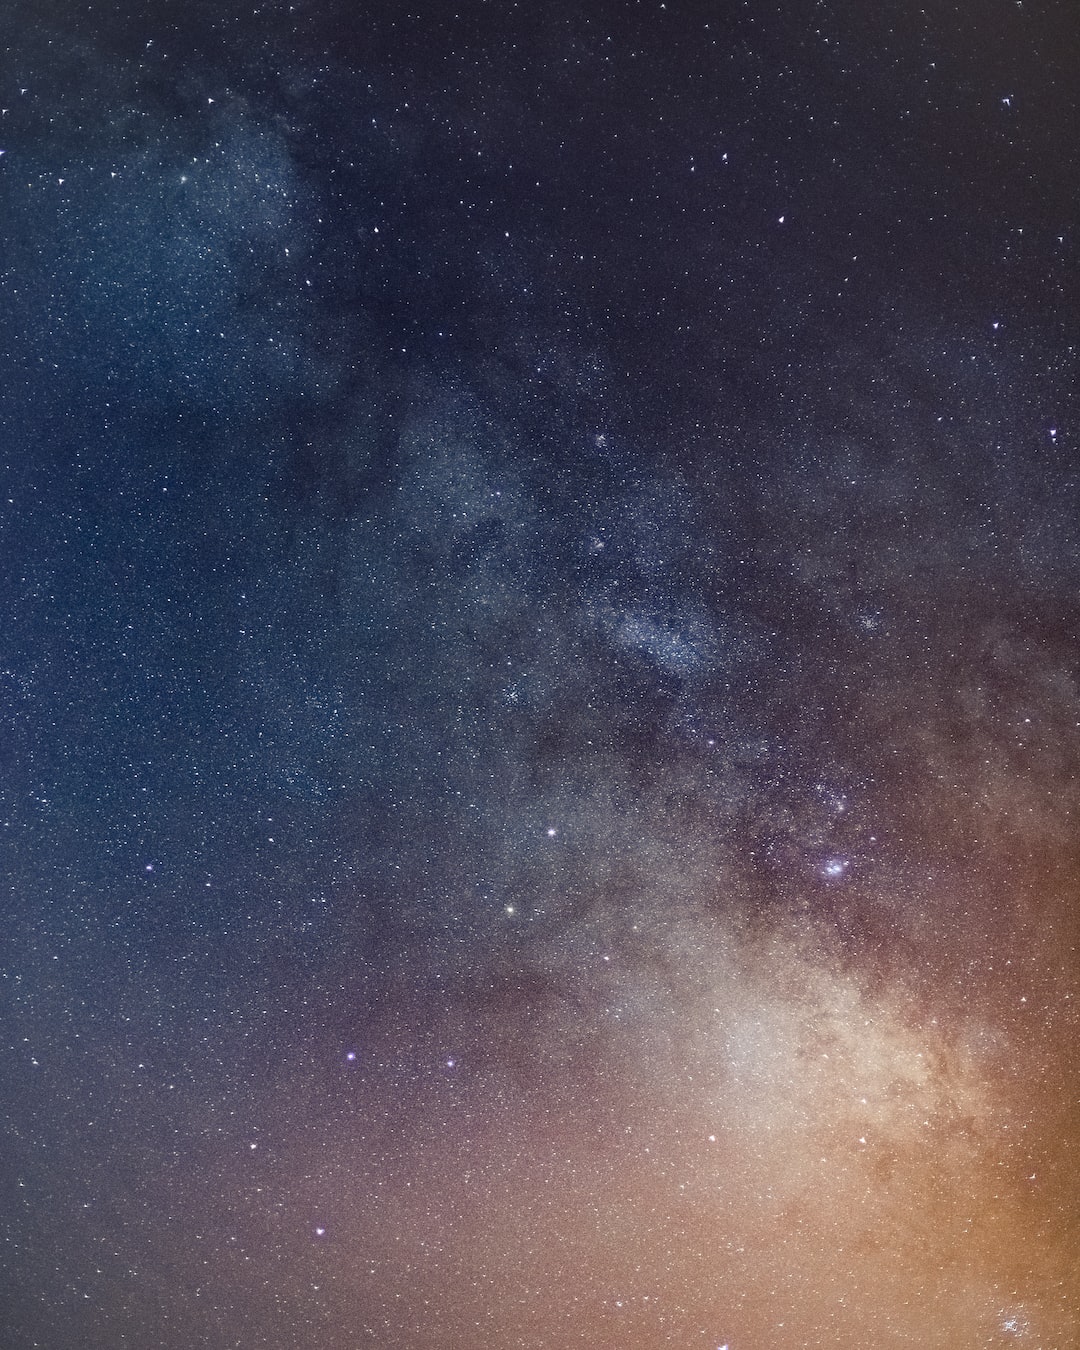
[539,675]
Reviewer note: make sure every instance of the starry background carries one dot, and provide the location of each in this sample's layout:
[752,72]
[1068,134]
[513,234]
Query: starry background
[540,687]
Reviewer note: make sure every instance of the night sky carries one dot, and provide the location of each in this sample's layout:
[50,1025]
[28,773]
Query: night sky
[540,675]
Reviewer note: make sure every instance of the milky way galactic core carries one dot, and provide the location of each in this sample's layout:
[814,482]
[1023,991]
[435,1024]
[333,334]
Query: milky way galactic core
[539,676]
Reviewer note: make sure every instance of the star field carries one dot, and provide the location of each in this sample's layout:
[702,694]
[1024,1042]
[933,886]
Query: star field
[539,687]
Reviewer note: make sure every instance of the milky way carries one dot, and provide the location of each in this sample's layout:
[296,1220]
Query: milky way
[539,690]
